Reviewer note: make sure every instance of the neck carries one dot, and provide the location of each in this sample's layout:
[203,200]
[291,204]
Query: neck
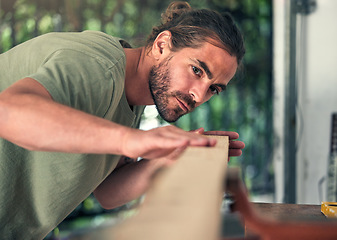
[138,66]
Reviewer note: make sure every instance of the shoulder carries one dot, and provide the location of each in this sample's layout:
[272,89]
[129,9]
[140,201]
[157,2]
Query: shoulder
[94,44]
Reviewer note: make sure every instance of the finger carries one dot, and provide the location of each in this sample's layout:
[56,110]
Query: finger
[165,146]
[236,144]
[235,152]
[203,142]
[194,139]
[199,130]
[170,143]
[163,141]
[173,151]
[158,152]
[231,135]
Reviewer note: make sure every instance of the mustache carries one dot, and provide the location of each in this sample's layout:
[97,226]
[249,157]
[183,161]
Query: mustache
[186,98]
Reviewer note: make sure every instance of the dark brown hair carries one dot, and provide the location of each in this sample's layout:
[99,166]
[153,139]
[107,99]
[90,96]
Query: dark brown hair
[192,27]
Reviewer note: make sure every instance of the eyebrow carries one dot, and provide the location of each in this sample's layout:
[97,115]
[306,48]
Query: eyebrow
[204,66]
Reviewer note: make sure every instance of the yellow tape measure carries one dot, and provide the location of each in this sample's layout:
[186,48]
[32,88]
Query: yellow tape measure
[329,209]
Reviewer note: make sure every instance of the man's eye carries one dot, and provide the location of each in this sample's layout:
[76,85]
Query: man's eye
[214,90]
[197,71]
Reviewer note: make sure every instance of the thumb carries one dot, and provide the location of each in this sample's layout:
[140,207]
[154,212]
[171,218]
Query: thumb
[199,130]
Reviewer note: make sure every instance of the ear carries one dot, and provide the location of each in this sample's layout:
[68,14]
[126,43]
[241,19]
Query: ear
[162,45]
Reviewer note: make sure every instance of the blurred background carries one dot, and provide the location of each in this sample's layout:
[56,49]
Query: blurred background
[282,102]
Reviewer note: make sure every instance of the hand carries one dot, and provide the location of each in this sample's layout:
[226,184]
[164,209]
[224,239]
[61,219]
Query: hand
[160,142]
[235,147]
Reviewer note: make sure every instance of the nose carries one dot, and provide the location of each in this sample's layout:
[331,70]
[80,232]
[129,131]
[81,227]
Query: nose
[198,92]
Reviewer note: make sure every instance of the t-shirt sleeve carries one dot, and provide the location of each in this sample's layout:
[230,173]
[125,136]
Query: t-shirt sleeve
[78,80]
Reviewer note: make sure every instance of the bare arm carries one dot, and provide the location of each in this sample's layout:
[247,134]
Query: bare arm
[126,183]
[31,119]
[131,179]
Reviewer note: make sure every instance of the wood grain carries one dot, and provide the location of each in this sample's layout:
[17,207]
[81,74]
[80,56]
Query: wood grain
[184,200]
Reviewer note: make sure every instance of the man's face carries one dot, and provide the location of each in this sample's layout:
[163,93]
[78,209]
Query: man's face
[185,79]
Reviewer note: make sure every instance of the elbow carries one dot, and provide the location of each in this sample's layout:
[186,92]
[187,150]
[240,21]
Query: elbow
[10,129]
[7,130]
[101,200]
[106,202]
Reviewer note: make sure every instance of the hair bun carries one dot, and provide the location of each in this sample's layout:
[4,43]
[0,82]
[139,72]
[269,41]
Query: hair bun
[174,10]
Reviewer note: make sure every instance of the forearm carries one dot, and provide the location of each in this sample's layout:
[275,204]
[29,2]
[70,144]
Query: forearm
[127,183]
[36,122]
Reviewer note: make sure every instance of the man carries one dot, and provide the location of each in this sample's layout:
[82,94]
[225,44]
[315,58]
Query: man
[70,104]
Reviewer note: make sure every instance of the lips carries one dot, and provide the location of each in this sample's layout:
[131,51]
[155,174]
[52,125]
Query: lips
[183,105]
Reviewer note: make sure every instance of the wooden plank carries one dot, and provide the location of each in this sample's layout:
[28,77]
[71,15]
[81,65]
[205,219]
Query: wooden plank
[185,199]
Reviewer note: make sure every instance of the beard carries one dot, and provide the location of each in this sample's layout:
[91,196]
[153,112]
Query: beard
[159,84]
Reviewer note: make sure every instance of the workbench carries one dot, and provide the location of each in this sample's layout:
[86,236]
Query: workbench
[290,212]
[233,227]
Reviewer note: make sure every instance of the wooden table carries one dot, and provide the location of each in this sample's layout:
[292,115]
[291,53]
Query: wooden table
[289,212]
[233,228]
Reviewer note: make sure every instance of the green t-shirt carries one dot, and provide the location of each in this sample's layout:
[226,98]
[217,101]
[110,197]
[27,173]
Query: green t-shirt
[85,71]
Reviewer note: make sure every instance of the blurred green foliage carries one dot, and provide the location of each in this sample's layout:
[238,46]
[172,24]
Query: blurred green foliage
[246,107]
